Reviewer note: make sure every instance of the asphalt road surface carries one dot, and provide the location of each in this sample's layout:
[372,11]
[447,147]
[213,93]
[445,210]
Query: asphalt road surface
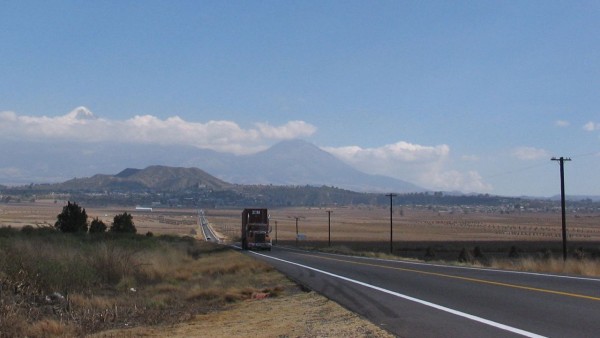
[412,299]
[207,231]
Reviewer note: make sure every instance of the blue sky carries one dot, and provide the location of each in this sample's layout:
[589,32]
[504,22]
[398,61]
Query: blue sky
[475,96]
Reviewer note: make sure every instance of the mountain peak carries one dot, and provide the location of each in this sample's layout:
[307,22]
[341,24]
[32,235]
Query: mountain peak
[128,172]
[81,113]
[298,162]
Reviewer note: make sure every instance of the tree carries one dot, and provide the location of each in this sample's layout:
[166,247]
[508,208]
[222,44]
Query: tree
[97,226]
[73,218]
[123,223]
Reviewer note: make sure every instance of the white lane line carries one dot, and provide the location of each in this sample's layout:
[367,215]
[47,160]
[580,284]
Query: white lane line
[412,299]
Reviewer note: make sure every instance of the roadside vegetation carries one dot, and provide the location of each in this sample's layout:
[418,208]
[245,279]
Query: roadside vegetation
[72,284]
[580,261]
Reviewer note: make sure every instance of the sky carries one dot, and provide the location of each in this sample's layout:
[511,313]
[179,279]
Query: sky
[471,96]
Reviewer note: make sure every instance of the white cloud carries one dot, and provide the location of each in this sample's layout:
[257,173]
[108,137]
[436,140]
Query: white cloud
[562,123]
[426,166]
[290,130]
[10,172]
[591,126]
[471,158]
[530,153]
[400,151]
[81,125]
[469,182]
[422,165]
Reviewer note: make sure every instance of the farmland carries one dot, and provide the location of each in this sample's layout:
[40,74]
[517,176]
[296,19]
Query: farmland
[172,275]
[365,228]
[415,229]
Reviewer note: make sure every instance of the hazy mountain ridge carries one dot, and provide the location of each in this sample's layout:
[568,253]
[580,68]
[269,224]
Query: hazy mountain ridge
[299,162]
[287,163]
[158,178]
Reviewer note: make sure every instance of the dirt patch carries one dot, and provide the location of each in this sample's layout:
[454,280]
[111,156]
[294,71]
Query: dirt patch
[297,315]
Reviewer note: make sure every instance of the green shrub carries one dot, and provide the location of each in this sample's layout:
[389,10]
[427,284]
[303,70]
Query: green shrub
[28,229]
[429,253]
[97,226]
[465,256]
[514,252]
[123,223]
[73,218]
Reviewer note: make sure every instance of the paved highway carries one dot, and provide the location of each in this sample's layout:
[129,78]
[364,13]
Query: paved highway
[207,231]
[413,299]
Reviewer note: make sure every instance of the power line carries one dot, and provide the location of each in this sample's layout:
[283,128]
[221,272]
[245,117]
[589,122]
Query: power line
[522,169]
[594,153]
[518,170]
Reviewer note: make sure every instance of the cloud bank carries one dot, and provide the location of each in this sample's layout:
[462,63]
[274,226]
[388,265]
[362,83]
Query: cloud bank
[530,153]
[81,125]
[591,126]
[426,166]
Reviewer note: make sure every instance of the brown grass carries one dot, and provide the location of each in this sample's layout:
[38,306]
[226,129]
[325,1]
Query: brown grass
[174,279]
[50,328]
[583,267]
[115,281]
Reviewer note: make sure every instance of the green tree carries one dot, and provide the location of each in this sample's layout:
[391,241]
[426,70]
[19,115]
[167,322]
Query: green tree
[73,218]
[97,226]
[123,223]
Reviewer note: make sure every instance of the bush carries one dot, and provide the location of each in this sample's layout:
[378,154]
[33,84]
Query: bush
[97,226]
[465,256]
[123,223]
[579,254]
[73,218]
[514,252]
[429,253]
[28,229]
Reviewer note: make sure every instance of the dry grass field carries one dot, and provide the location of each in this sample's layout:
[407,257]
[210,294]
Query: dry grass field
[363,228]
[54,284]
[44,212]
[415,229]
[184,287]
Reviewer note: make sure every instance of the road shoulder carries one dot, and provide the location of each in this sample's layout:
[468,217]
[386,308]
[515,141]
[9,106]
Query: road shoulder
[303,314]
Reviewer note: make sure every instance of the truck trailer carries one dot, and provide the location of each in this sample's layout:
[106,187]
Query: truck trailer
[256,229]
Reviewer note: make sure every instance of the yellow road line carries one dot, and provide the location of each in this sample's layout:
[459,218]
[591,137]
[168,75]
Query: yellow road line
[475,280]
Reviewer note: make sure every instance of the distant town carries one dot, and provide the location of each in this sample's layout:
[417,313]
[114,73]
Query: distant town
[293,196]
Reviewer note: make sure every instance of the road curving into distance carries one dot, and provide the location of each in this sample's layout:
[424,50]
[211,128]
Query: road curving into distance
[412,299]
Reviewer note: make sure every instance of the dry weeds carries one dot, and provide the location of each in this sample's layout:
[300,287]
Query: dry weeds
[57,284]
[178,281]
[295,315]
[582,267]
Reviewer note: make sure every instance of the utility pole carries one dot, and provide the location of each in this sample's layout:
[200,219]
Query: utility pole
[297,218]
[562,160]
[296,230]
[391,195]
[329,219]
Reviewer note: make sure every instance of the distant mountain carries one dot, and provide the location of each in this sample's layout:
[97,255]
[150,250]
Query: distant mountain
[286,163]
[299,162]
[81,113]
[158,178]
[593,198]
[24,162]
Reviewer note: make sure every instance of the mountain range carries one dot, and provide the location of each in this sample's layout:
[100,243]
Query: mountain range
[294,162]
[157,178]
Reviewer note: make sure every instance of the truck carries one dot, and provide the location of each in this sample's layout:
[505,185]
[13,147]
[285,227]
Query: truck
[255,229]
